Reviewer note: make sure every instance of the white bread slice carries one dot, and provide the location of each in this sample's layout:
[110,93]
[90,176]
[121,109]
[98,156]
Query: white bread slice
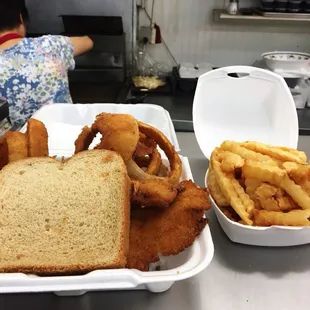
[67,217]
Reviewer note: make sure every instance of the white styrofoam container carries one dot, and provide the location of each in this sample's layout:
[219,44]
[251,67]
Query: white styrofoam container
[259,107]
[64,122]
[174,268]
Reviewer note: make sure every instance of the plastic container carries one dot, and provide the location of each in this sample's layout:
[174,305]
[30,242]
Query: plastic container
[258,106]
[173,268]
[71,118]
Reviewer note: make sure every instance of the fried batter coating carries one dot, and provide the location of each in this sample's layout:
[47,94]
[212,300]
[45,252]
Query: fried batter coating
[13,146]
[153,193]
[167,231]
[84,140]
[37,138]
[145,146]
[120,133]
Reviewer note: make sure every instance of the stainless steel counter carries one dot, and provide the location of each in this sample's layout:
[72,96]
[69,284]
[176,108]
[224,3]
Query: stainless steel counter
[239,277]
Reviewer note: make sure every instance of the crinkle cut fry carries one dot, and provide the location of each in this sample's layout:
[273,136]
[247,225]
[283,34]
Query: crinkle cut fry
[230,161]
[167,231]
[291,218]
[278,177]
[215,190]
[245,153]
[276,152]
[239,204]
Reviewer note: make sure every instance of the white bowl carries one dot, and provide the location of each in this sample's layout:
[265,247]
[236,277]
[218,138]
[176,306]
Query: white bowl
[287,61]
[275,236]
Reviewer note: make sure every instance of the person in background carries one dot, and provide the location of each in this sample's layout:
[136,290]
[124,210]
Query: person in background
[33,71]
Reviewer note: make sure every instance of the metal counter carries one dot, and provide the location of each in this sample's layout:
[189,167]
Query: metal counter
[239,277]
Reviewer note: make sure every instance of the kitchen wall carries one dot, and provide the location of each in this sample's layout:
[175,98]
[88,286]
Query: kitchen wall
[188,29]
[44,14]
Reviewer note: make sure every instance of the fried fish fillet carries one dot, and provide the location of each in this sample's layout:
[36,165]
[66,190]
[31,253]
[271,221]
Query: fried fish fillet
[167,231]
[13,146]
[37,138]
[153,193]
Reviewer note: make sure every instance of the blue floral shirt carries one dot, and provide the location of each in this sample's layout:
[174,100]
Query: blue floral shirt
[34,73]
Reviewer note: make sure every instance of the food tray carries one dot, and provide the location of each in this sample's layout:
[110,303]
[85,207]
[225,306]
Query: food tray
[173,268]
[64,122]
[276,236]
[257,107]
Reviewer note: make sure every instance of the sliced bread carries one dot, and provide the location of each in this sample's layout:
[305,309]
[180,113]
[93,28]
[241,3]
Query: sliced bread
[67,217]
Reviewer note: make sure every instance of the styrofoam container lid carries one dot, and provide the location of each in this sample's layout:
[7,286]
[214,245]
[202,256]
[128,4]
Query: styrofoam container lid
[71,118]
[256,106]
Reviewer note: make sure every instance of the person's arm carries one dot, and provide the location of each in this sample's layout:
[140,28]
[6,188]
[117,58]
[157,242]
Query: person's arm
[81,45]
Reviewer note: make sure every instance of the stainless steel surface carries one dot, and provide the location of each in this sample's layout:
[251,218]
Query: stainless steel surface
[239,277]
[283,15]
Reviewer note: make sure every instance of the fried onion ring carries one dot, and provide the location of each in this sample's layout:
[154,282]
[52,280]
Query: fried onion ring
[146,146]
[152,163]
[120,133]
[163,142]
[84,140]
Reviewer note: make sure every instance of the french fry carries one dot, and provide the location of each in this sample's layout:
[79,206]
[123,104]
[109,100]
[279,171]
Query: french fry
[215,190]
[278,177]
[232,191]
[230,161]
[292,218]
[283,154]
[265,185]
[247,154]
[301,154]
[250,187]
[256,170]
[272,198]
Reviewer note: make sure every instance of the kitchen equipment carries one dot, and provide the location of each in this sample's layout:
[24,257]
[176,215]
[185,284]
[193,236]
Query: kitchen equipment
[86,24]
[299,100]
[258,106]
[233,7]
[294,6]
[69,119]
[106,62]
[280,5]
[287,61]
[267,5]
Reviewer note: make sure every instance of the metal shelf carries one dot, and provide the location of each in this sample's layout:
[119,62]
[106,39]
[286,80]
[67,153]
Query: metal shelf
[221,15]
